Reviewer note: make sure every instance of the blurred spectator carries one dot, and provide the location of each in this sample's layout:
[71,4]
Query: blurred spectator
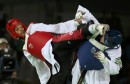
[8,61]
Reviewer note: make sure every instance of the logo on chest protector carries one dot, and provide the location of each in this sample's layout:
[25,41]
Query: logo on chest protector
[93,50]
[30,45]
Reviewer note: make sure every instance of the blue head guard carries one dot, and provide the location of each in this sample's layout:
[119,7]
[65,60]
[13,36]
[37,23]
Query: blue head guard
[113,38]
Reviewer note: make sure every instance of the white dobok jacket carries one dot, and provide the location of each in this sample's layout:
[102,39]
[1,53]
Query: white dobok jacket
[42,68]
[111,67]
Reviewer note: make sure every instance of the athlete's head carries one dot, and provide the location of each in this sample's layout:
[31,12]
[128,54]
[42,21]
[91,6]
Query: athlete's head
[16,28]
[112,38]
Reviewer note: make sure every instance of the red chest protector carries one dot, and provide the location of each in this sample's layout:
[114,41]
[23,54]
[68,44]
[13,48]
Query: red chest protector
[36,42]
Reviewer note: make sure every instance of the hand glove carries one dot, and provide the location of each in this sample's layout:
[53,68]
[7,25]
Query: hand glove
[78,15]
[79,18]
[100,55]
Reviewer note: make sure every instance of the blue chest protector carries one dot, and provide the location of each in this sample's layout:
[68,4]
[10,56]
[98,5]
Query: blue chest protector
[86,57]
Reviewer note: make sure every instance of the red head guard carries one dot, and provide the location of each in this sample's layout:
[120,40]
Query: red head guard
[11,25]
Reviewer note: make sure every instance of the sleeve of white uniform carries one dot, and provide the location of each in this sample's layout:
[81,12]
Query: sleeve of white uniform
[76,73]
[42,69]
[88,15]
[59,28]
[113,65]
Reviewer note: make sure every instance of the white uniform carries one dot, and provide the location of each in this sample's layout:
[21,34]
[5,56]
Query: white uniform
[110,66]
[42,68]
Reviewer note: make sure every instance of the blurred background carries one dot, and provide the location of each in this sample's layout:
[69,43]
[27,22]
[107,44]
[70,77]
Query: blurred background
[116,13]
